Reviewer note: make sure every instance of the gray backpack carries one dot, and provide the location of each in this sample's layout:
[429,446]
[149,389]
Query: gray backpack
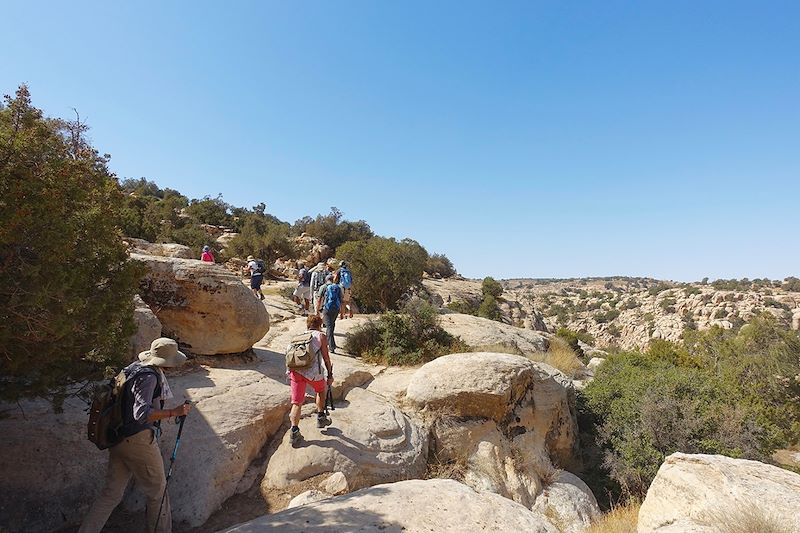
[300,353]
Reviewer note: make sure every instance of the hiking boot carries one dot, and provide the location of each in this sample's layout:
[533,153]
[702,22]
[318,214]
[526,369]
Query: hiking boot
[295,437]
[323,421]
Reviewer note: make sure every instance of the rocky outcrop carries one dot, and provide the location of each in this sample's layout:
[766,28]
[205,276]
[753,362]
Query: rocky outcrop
[414,506]
[148,328]
[568,503]
[482,332]
[699,493]
[140,246]
[311,250]
[201,305]
[503,416]
[52,473]
[370,442]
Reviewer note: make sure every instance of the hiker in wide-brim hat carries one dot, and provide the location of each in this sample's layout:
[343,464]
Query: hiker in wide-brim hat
[137,455]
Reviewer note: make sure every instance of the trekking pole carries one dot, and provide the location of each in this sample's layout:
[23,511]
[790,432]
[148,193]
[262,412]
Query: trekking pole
[329,400]
[180,420]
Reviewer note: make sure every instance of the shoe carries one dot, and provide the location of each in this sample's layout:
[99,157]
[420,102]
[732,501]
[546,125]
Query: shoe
[261,296]
[295,437]
[323,421]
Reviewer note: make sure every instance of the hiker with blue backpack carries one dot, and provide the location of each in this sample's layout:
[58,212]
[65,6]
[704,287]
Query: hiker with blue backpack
[329,301]
[345,280]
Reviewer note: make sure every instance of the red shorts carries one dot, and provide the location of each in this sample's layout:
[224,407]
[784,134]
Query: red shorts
[299,382]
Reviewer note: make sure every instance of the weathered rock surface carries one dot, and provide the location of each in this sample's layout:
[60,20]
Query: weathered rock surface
[309,496]
[237,411]
[148,328]
[140,246]
[370,441]
[690,491]
[201,305]
[568,503]
[482,332]
[504,416]
[411,506]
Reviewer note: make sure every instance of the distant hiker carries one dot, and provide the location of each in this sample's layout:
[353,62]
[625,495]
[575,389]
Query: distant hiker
[329,301]
[137,455]
[318,275]
[345,281]
[257,270]
[207,256]
[314,344]
[302,294]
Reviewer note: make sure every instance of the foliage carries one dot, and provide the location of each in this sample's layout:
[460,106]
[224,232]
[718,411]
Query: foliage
[408,338]
[607,316]
[572,337]
[440,265]
[791,284]
[561,356]
[66,285]
[489,308]
[333,230]
[491,287]
[464,307]
[385,269]
[263,238]
[734,393]
[619,519]
[658,288]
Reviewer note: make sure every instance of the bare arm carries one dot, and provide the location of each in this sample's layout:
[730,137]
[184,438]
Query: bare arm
[326,356]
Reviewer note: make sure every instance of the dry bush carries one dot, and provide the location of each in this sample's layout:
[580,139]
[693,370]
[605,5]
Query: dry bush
[747,518]
[620,519]
[453,469]
[560,355]
[510,348]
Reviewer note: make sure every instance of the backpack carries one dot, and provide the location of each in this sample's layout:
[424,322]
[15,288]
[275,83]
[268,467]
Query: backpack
[333,297]
[318,279]
[345,278]
[105,414]
[260,267]
[300,353]
[306,279]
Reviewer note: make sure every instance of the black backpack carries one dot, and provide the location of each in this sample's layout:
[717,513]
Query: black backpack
[261,268]
[105,414]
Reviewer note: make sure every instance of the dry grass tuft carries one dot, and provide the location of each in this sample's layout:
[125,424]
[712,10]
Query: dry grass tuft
[456,469]
[560,355]
[499,347]
[620,519]
[747,518]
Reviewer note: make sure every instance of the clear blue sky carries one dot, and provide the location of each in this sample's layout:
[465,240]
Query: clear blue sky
[522,139]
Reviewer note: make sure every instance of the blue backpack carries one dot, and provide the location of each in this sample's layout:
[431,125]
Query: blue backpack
[345,278]
[333,297]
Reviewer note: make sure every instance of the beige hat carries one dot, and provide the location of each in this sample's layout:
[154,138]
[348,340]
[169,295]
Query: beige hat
[251,258]
[163,352]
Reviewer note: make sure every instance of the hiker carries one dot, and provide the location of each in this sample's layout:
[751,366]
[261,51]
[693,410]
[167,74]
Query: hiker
[302,294]
[256,269]
[314,376]
[207,256]
[329,300]
[137,455]
[318,274]
[345,281]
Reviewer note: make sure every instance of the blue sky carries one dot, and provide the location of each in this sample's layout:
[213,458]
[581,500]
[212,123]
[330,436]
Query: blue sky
[522,139]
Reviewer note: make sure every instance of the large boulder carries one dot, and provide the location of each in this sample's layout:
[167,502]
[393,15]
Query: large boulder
[201,305]
[148,327]
[370,441]
[505,418]
[412,506]
[568,503]
[52,473]
[695,493]
[485,333]
[140,246]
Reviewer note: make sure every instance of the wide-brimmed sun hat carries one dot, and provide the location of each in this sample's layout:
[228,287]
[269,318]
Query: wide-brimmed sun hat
[163,352]
[251,258]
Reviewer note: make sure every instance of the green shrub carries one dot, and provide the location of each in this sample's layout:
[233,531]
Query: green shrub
[410,338]
[463,307]
[658,288]
[630,303]
[384,270]
[439,264]
[263,239]
[719,391]
[333,230]
[489,308]
[66,284]
[791,284]
[771,302]
[605,317]
[490,287]
[572,337]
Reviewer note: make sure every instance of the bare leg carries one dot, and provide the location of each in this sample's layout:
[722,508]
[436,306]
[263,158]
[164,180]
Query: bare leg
[294,414]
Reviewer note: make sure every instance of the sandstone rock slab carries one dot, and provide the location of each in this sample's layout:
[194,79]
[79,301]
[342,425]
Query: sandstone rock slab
[690,491]
[140,246]
[148,328]
[413,506]
[201,305]
[482,332]
[370,441]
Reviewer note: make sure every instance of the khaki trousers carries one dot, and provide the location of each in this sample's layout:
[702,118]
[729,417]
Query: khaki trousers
[137,456]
